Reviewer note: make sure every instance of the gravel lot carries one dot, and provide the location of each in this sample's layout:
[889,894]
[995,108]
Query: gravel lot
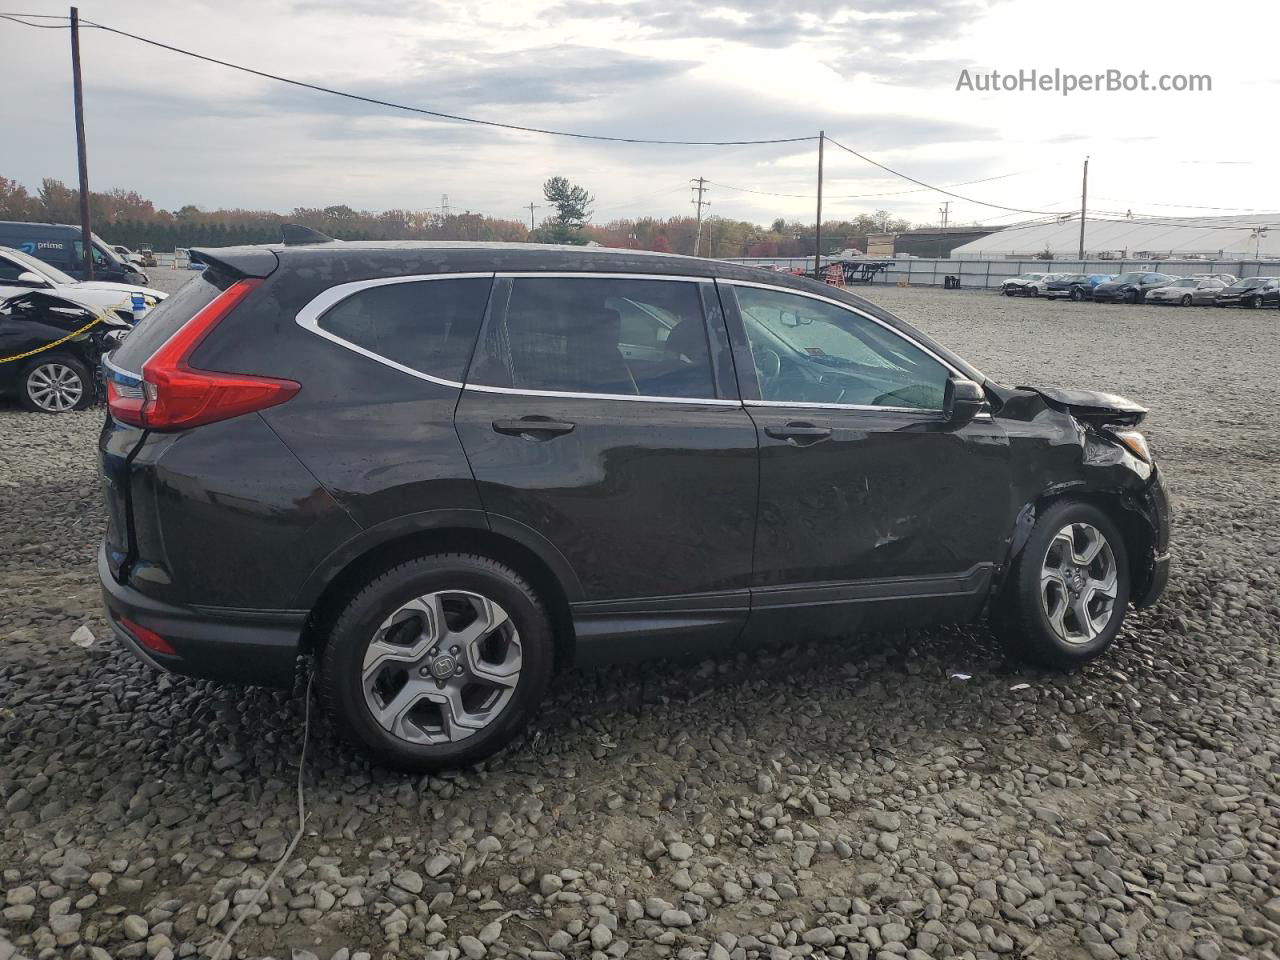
[903,796]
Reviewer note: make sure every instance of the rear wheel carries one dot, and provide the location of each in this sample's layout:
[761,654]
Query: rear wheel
[1065,598]
[1186,299]
[438,662]
[55,384]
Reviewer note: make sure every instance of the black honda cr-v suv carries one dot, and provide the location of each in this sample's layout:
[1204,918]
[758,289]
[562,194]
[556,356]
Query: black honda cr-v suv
[444,469]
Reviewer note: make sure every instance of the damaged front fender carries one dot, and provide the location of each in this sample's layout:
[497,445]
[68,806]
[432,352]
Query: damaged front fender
[1061,447]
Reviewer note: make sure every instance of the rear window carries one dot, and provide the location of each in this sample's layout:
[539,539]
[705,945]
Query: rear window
[164,320]
[426,325]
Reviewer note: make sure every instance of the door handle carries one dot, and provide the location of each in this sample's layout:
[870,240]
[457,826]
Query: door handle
[798,432]
[533,428]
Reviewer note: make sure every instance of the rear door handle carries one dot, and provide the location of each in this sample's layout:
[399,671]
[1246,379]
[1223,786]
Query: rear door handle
[798,432]
[533,428]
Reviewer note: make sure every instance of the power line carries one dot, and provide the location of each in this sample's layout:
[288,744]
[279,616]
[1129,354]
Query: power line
[17,18]
[929,186]
[864,196]
[438,114]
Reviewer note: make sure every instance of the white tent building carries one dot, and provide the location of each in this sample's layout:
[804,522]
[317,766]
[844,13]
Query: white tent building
[1218,238]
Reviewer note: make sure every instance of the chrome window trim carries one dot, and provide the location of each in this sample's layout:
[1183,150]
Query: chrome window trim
[851,309]
[598,275]
[309,316]
[571,395]
[858,407]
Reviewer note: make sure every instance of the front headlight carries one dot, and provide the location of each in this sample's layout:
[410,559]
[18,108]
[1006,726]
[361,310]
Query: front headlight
[1134,442]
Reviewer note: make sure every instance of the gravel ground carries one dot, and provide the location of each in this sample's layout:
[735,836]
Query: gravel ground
[900,796]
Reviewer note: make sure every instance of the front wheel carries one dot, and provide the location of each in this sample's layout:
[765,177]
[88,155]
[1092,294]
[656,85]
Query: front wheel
[439,662]
[55,383]
[1131,296]
[1065,597]
[1255,302]
[1186,300]
[1077,294]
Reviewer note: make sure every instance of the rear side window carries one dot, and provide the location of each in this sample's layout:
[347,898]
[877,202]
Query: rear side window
[425,325]
[164,320]
[598,335]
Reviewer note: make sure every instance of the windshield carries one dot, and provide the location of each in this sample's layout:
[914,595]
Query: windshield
[1185,283]
[1248,282]
[1129,277]
[39,266]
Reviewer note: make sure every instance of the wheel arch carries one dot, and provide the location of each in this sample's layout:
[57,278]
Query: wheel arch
[1121,508]
[550,577]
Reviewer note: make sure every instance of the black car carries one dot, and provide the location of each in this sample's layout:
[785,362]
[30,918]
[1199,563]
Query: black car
[50,348]
[1130,287]
[1076,286]
[1252,292]
[443,470]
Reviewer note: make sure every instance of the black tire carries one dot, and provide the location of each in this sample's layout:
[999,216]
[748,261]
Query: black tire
[1255,302]
[1077,294]
[34,383]
[1131,296]
[341,660]
[1033,291]
[1186,299]
[1019,617]
[1009,291]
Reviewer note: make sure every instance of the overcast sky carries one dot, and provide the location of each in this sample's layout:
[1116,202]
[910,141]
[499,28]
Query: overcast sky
[878,75]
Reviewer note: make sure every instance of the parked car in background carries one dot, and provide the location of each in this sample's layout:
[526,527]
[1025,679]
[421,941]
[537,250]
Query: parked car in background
[444,470]
[1188,291]
[65,377]
[1014,285]
[58,244]
[1252,292]
[125,254]
[21,271]
[1130,287]
[1074,286]
[1226,278]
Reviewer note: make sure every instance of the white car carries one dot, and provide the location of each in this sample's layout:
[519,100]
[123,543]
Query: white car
[1015,286]
[20,271]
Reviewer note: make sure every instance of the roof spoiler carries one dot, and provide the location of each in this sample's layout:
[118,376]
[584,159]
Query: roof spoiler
[296,235]
[239,262]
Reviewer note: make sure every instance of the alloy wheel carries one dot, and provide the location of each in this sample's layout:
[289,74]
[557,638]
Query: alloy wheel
[1078,582]
[54,387]
[441,667]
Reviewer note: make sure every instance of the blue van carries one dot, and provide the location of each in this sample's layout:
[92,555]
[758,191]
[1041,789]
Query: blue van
[58,244]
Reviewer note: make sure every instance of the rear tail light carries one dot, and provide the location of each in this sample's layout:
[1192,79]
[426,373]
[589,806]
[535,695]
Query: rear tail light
[173,395]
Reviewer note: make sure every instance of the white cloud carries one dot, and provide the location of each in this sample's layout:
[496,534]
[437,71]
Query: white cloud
[877,74]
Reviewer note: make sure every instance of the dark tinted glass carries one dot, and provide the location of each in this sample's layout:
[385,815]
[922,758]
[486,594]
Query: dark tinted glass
[163,321]
[426,325]
[599,335]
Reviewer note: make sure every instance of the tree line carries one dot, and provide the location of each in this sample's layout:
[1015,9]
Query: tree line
[126,217]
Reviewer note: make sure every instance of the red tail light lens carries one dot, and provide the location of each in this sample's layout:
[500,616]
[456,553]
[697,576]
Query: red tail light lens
[148,638]
[174,395]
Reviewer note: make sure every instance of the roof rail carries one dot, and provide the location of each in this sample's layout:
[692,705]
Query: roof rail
[296,235]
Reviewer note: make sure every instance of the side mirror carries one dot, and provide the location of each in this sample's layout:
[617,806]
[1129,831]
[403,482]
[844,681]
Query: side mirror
[962,400]
[28,279]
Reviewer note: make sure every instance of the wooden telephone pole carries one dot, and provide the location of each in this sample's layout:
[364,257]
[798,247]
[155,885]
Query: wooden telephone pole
[817,249]
[86,228]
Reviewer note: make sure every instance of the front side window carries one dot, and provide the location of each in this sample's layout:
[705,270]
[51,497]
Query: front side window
[10,270]
[425,325]
[811,351]
[598,335]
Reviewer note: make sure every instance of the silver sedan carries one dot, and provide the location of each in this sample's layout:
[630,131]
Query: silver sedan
[1188,291]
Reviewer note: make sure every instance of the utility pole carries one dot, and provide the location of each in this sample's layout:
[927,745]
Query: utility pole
[945,211]
[532,207]
[700,187]
[1084,198]
[86,228]
[817,249]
